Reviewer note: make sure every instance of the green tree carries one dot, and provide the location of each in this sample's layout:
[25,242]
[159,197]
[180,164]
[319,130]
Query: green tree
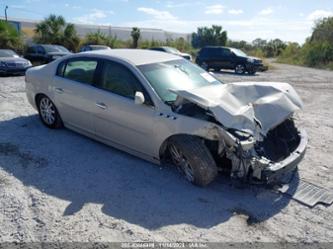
[259,43]
[135,36]
[100,38]
[323,31]
[97,38]
[55,30]
[214,36]
[10,37]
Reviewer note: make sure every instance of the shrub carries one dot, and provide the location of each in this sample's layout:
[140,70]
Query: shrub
[9,37]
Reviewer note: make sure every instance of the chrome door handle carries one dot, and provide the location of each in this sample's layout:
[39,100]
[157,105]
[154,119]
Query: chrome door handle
[59,90]
[101,105]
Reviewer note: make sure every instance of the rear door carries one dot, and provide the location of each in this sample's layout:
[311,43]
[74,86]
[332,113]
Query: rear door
[40,55]
[74,92]
[227,59]
[214,55]
[116,116]
[31,53]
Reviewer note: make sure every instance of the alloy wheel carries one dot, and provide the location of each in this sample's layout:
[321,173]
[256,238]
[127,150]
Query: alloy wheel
[240,69]
[181,162]
[47,110]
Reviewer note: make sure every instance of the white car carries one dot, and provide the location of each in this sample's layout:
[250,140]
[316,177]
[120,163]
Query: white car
[163,108]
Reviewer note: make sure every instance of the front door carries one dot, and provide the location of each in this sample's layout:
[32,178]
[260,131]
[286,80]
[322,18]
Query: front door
[116,117]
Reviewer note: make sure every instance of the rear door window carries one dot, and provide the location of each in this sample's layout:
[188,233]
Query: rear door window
[81,70]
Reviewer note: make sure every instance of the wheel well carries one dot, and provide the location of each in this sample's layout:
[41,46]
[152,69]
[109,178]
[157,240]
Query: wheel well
[37,97]
[163,148]
[212,145]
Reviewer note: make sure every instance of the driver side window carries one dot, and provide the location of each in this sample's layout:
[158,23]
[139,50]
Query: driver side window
[117,79]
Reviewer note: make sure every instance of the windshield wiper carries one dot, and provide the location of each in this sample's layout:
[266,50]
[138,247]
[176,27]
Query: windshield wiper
[169,102]
[181,68]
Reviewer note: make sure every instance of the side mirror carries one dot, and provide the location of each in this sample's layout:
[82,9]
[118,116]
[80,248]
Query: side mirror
[139,98]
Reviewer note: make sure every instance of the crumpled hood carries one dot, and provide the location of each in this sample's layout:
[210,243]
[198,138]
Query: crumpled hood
[249,106]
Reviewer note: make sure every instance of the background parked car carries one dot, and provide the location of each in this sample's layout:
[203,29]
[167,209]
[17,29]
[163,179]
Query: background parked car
[94,47]
[174,51]
[45,53]
[12,63]
[219,58]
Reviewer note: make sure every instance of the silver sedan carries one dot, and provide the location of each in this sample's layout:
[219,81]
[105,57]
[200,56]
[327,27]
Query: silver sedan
[163,108]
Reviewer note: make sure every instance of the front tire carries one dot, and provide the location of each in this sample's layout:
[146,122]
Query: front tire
[48,113]
[193,159]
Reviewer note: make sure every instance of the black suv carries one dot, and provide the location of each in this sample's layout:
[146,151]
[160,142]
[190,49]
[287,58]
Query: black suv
[219,58]
[45,53]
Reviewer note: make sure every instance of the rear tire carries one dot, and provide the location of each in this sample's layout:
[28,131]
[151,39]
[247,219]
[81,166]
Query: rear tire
[240,69]
[48,113]
[193,159]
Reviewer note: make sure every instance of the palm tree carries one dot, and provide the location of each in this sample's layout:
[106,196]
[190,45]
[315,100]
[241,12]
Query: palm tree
[135,36]
[55,30]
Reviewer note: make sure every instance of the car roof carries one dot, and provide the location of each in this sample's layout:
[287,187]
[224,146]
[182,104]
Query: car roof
[205,47]
[96,45]
[136,56]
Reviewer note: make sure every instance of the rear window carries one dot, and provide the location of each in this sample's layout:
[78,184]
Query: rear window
[210,51]
[81,70]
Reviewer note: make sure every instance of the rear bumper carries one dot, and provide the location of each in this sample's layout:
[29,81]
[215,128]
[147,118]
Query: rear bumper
[277,171]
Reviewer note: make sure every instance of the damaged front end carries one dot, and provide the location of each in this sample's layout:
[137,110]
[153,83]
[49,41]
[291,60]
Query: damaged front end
[255,137]
[270,160]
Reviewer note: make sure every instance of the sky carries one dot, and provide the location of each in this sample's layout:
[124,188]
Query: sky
[289,20]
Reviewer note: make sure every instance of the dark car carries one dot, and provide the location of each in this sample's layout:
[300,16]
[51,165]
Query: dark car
[218,58]
[174,51]
[12,63]
[45,53]
[94,47]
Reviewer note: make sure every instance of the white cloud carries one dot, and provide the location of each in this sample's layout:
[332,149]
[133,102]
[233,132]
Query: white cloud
[172,4]
[67,5]
[318,14]
[266,12]
[214,9]
[158,14]
[235,11]
[93,17]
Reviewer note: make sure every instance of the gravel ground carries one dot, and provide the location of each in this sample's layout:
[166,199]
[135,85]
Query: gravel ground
[56,185]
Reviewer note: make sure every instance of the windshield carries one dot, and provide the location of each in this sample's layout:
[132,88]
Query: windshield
[238,52]
[176,75]
[99,47]
[62,49]
[7,53]
[55,48]
[172,50]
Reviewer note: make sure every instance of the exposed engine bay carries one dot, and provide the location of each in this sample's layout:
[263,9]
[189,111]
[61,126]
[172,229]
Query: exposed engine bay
[243,156]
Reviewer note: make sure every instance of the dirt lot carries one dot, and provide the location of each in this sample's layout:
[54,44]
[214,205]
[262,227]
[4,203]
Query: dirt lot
[56,185]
